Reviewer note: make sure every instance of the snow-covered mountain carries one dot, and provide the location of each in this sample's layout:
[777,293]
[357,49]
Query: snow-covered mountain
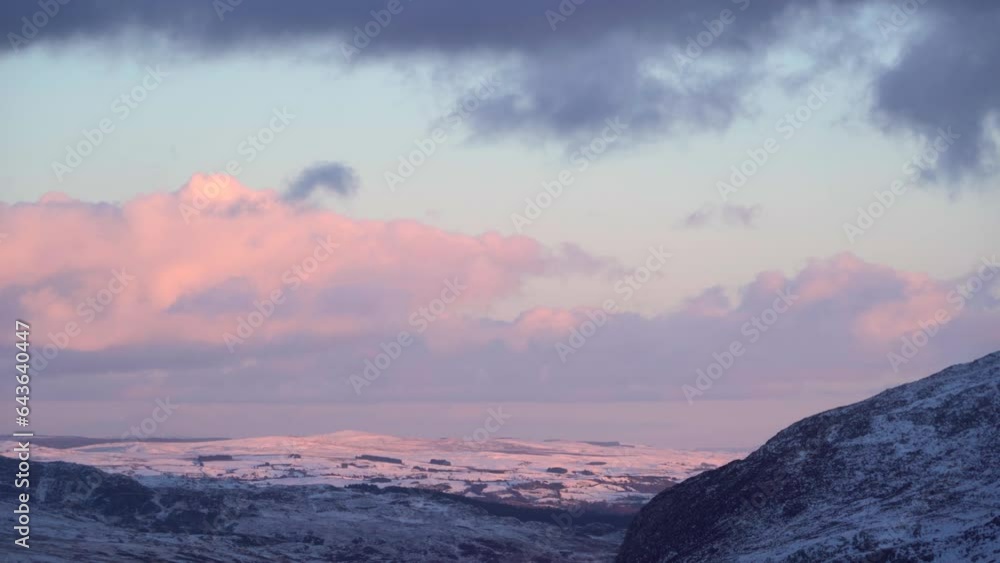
[554,473]
[83,514]
[347,496]
[912,474]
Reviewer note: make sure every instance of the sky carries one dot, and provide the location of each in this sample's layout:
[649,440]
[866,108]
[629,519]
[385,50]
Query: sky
[685,224]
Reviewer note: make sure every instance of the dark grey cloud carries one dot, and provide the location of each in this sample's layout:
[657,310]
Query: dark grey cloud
[569,72]
[443,26]
[326,176]
[949,77]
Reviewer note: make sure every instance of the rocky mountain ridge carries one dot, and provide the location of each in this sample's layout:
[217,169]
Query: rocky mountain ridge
[911,474]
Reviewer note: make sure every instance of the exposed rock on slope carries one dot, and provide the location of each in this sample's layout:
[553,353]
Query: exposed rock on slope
[912,474]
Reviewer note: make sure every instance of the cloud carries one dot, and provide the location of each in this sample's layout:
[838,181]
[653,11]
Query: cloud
[947,78]
[731,214]
[350,287]
[554,90]
[181,268]
[441,27]
[846,317]
[329,176]
[743,215]
[569,69]
[699,218]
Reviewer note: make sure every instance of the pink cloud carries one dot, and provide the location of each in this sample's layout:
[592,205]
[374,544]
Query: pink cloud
[203,255]
[196,259]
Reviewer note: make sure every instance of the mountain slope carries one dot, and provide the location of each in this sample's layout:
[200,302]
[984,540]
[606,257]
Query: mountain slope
[81,511]
[912,474]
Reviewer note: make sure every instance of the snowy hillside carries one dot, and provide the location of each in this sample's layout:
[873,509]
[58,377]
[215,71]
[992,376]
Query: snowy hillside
[552,473]
[82,514]
[912,474]
[347,496]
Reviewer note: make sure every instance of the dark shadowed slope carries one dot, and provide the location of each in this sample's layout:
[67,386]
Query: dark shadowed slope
[79,513]
[912,474]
